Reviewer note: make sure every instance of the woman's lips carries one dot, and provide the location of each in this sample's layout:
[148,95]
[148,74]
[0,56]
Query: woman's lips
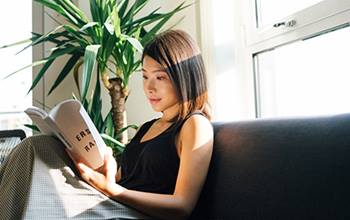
[154,101]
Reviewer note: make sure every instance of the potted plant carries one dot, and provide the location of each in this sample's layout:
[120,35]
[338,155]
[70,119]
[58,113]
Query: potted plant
[110,42]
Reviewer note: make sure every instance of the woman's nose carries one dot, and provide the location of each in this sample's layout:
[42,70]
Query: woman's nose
[150,85]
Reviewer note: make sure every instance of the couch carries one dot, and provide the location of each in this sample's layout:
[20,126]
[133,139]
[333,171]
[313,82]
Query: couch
[286,168]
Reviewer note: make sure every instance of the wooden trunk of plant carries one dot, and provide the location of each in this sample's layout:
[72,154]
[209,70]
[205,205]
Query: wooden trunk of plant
[118,96]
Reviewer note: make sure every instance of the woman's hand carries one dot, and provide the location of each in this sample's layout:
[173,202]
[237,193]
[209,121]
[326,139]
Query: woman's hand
[103,179]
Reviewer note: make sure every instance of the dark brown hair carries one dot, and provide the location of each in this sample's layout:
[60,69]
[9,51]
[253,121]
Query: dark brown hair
[181,57]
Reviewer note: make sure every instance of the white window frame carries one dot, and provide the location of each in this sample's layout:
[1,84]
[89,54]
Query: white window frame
[310,22]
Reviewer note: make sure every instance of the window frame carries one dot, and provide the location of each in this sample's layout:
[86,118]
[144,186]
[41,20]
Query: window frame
[311,21]
[315,20]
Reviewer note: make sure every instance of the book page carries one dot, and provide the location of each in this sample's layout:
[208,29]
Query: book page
[38,116]
[75,125]
[45,124]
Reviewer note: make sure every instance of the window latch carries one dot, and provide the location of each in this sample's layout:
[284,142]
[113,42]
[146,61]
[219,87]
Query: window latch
[290,23]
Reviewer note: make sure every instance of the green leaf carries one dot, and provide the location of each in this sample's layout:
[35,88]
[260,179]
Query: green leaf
[150,34]
[33,127]
[108,49]
[116,22]
[138,5]
[96,105]
[135,43]
[17,43]
[76,74]
[62,51]
[36,63]
[76,11]
[122,5]
[126,128]
[48,61]
[88,67]
[41,74]
[59,9]
[52,5]
[88,25]
[65,71]
[111,139]
[109,26]
[151,18]
[57,38]
[76,34]
[94,11]
[42,38]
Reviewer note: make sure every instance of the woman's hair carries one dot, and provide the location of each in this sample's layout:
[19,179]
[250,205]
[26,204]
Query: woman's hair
[181,57]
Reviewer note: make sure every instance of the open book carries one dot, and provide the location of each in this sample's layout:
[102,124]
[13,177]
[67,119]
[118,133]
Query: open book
[71,124]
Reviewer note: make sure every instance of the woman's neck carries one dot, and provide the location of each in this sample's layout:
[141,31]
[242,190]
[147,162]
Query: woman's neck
[170,113]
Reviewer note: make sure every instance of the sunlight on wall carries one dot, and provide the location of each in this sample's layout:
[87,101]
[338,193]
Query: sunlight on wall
[224,59]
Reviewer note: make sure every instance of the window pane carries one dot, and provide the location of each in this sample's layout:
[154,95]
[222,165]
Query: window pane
[16,23]
[270,11]
[308,77]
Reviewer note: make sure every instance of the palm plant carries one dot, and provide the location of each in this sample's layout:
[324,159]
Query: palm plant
[112,41]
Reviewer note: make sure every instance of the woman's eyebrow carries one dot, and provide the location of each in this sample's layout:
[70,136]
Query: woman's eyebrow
[155,70]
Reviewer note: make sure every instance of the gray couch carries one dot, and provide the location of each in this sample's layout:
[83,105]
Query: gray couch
[295,168]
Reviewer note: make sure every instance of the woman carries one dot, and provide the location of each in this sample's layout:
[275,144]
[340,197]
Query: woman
[164,167]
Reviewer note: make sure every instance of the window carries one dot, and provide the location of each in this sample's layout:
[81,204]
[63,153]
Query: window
[16,25]
[298,53]
[306,77]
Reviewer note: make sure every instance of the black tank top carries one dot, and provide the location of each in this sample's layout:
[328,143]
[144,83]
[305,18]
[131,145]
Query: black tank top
[152,165]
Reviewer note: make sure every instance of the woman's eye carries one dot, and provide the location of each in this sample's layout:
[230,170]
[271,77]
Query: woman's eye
[144,77]
[160,77]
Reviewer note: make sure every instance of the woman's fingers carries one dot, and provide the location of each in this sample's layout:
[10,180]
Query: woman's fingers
[110,165]
[101,178]
[108,155]
[85,171]
[89,175]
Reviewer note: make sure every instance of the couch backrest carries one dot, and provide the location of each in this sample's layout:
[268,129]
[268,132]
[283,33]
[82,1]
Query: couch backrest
[279,169]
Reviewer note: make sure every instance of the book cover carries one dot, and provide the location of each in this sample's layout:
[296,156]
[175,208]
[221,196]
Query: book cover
[70,123]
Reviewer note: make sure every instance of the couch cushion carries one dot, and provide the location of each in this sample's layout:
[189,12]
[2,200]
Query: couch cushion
[279,169]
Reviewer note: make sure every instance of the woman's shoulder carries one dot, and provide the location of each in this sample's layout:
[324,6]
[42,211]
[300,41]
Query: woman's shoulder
[197,125]
[197,121]
[196,132]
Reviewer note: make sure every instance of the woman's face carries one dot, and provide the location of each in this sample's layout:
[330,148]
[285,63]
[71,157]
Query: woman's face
[158,87]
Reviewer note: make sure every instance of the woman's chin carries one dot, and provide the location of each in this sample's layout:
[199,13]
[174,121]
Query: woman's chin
[157,108]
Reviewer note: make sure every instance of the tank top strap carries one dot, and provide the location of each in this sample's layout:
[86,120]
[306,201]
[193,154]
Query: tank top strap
[179,124]
[193,113]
